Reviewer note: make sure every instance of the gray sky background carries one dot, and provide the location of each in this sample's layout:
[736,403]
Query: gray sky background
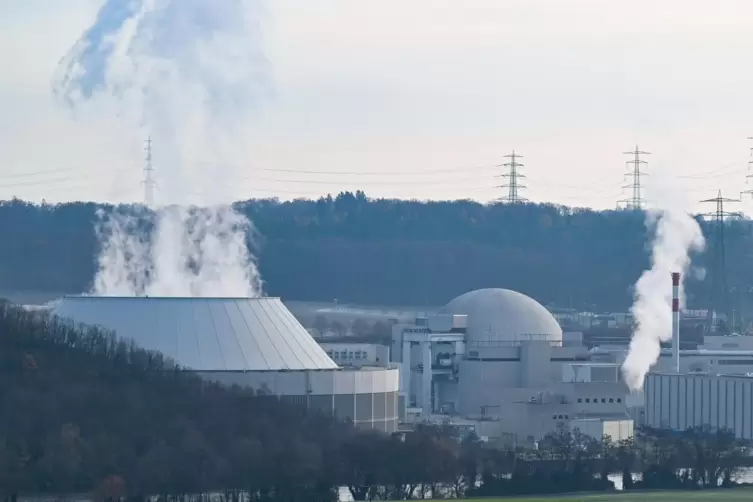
[437,90]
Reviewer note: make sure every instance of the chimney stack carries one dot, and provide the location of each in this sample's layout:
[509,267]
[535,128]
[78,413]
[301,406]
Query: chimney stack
[676,320]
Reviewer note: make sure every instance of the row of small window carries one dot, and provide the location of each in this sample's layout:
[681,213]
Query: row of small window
[345,354]
[603,400]
[560,417]
[735,362]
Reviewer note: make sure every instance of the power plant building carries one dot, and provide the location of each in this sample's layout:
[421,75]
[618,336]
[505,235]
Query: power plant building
[499,358]
[684,401]
[254,342]
[491,359]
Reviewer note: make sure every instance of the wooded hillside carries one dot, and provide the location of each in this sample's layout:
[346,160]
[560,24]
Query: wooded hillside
[393,252]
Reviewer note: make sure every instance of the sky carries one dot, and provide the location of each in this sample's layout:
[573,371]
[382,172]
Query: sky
[422,99]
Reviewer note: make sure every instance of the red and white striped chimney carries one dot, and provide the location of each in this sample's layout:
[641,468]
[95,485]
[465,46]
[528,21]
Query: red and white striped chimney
[676,320]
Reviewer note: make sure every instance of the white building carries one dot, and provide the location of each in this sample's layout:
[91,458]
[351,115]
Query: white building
[500,358]
[253,342]
[357,354]
[497,357]
[684,401]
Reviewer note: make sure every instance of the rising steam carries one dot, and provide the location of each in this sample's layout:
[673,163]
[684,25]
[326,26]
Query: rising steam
[195,252]
[189,73]
[677,235]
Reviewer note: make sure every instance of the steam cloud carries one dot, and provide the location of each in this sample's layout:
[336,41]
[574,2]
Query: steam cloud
[191,252]
[191,73]
[677,236]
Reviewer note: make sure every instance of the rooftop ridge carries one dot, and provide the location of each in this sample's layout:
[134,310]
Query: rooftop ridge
[111,297]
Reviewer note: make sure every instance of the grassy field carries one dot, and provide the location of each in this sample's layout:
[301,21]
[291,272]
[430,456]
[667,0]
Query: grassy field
[671,496]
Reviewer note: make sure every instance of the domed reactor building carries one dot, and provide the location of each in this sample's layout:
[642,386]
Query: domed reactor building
[497,361]
[253,342]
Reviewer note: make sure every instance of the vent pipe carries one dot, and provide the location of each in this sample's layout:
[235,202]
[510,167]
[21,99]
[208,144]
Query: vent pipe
[676,320]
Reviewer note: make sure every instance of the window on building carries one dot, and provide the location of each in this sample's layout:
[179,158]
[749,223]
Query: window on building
[619,399]
[611,399]
[603,400]
[567,417]
[735,362]
[580,399]
[588,400]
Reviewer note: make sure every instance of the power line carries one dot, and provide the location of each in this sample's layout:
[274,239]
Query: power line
[351,173]
[49,181]
[636,200]
[513,174]
[748,176]
[719,292]
[37,173]
[55,170]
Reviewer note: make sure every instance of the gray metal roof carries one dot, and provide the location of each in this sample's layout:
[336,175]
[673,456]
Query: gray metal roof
[205,333]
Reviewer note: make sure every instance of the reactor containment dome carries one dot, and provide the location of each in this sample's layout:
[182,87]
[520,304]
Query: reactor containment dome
[205,334]
[501,315]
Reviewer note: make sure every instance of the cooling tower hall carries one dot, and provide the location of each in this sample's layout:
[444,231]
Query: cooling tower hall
[253,342]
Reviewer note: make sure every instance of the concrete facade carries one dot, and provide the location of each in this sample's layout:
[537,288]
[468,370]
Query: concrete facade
[357,354]
[509,371]
[251,342]
[680,402]
[367,397]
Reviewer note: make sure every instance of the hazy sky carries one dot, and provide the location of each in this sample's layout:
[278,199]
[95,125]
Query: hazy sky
[436,90]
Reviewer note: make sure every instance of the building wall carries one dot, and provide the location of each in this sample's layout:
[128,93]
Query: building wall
[597,428]
[680,402]
[619,430]
[535,358]
[594,397]
[367,397]
[357,354]
[717,362]
[488,373]
[480,383]
[718,342]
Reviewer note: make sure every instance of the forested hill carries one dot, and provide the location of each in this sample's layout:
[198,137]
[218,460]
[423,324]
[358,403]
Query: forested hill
[391,252]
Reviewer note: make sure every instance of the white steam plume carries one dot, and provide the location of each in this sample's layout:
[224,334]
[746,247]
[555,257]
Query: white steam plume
[196,252]
[189,73]
[677,235]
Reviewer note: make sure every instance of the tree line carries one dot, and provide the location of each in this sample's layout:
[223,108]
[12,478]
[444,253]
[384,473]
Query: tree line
[85,412]
[380,251]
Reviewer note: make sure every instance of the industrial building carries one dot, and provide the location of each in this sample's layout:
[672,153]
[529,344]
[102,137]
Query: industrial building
[499,359]
[357,354]
[254,342]
[493,360]
[683,401]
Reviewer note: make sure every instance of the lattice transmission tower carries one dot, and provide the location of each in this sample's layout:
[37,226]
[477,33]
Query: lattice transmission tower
[719,291]
[635,201]
[512,175]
